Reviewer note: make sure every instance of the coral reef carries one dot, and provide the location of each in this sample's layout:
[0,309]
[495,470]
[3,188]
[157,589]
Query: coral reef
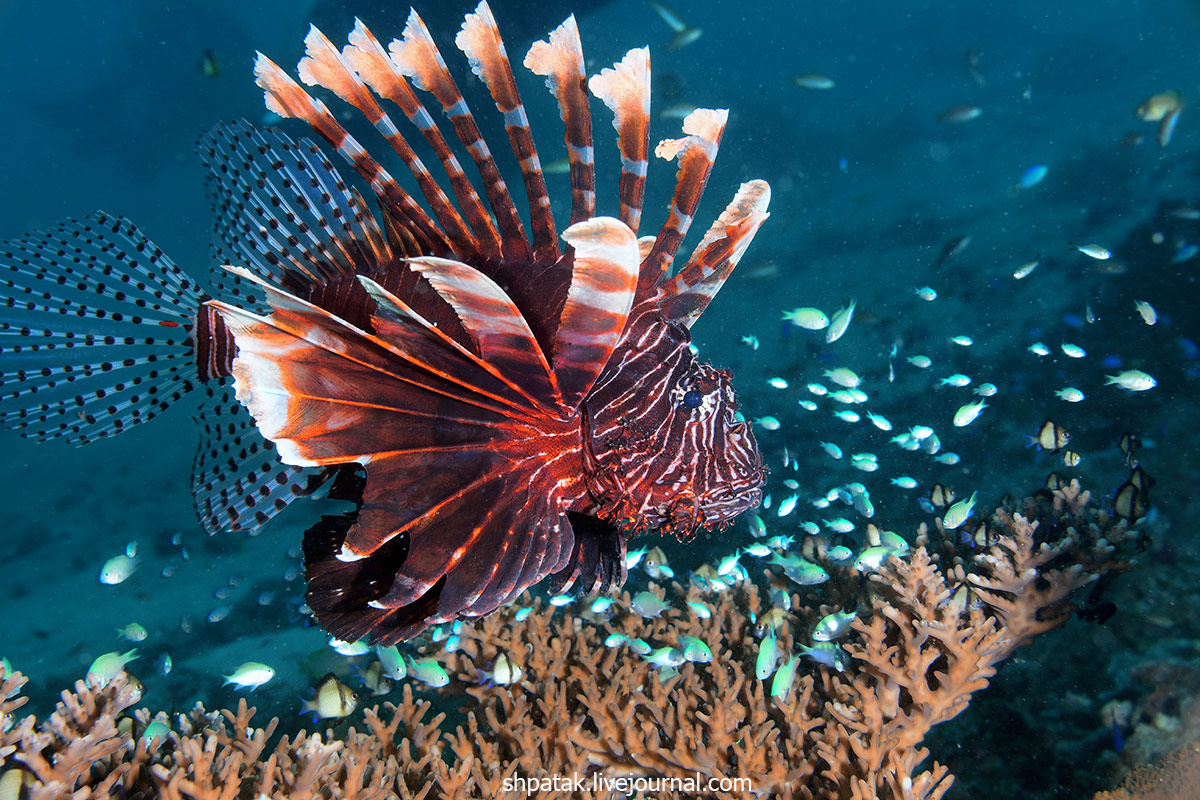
[586,719]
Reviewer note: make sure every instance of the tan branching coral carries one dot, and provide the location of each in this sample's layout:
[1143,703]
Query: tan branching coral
[932,627]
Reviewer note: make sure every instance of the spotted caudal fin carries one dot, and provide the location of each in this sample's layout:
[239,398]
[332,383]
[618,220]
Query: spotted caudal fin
[96,330]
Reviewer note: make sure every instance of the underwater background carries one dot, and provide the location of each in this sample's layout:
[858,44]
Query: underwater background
[873,184]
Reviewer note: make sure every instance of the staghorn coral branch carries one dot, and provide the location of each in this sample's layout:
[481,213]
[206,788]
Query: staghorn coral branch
[921,648]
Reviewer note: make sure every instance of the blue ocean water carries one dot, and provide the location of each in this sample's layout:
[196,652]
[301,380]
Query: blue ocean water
[103,105]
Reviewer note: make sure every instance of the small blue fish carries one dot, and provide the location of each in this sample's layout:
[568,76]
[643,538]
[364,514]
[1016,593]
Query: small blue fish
[1031,177]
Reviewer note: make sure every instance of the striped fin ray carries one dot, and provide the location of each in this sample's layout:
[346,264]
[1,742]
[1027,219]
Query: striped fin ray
[95,330]
[495,324]
[238,481]
[560,60]
[601,295]
[324,66]
[625,89]
[282,210]
[418,58]
[684,297]
[287,98]
[359,597]
[480,40]
[695,153]
[414,363]
[429,346]
[368,58]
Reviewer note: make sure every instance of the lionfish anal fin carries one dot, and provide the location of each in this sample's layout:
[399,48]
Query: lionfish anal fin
[238,481]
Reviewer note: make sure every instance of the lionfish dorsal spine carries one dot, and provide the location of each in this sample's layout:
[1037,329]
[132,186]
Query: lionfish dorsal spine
[417,57]
[373,64]
[287,98]
[323,65]
[479,39]
[695,154]
[601,295]
[684,297]
[560,60]
[625,89]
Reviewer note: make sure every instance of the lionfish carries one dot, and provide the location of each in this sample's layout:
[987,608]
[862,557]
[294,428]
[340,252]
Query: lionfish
[498,409]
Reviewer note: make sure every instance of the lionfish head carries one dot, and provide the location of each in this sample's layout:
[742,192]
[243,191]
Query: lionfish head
[673,453]
[718,459]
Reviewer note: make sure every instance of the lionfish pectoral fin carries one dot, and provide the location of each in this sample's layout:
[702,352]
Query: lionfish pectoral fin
[684,298]
[238,479]
[97,330]
[603,282]
[343,595]
[597,560]
[326,392]
[396,323]
[495,324]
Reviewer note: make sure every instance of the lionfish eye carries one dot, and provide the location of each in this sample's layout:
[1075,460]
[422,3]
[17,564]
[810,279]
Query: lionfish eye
[697,397]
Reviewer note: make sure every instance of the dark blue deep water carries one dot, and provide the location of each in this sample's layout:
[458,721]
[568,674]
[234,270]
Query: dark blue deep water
[102,105]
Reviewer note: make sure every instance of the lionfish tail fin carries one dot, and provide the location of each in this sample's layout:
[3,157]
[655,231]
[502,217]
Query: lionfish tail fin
[97,330]
[560,60]
[684,298]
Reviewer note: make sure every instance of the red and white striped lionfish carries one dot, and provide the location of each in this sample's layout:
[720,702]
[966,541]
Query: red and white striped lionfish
[499,410]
